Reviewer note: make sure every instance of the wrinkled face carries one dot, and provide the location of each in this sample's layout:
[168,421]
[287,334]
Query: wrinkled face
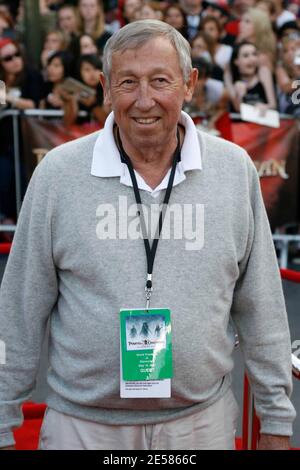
[199,47]
[174,18]
[87,45]
[89,9]
[67,20]
[146,92]
[89,74]
[247,60]
[53,42]
[55,70]
[211,29]
[246,27]
[11,59]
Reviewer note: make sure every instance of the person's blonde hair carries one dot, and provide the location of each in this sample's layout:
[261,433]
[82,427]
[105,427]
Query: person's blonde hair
[264,36]
[99,24]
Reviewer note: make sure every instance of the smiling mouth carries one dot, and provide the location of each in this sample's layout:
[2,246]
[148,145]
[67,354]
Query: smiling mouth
[146,120]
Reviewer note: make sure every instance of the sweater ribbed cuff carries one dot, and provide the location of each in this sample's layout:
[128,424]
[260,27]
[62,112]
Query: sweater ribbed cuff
[276,428]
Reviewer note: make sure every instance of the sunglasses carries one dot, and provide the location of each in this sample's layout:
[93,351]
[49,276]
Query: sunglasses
[10,57]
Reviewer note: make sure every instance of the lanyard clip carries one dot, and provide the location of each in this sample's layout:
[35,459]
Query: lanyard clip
[148,290]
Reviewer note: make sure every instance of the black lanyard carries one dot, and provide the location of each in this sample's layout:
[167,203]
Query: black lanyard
[150,251]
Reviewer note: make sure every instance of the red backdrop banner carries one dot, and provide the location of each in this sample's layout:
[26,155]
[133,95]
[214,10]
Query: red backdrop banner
[275,153]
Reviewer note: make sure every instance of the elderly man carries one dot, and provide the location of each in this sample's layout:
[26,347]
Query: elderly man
[141,352]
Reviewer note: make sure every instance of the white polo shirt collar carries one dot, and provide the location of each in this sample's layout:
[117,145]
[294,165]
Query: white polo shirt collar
[106,160]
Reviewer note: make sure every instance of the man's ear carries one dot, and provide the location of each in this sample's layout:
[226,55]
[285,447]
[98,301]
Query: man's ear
[106,90]
[190,85]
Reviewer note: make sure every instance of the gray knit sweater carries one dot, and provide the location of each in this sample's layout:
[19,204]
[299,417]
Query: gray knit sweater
[59,267]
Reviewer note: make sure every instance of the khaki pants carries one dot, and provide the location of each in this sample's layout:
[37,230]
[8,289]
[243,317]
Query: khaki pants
[212,428]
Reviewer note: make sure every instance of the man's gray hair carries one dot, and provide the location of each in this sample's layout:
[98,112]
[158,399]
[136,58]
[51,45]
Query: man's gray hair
[137,34]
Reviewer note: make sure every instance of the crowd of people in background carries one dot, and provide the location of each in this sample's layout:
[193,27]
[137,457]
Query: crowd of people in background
[246,51]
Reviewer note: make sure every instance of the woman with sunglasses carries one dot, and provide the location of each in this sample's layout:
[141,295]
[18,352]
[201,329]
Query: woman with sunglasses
[24,86]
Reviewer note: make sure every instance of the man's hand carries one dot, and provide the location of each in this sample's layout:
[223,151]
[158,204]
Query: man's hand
[8,448]
[269,442]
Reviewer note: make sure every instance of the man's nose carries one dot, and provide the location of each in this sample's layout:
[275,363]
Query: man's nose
[144,100]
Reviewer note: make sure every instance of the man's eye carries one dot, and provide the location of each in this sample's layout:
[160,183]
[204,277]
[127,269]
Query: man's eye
[160,80]
[127,82]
